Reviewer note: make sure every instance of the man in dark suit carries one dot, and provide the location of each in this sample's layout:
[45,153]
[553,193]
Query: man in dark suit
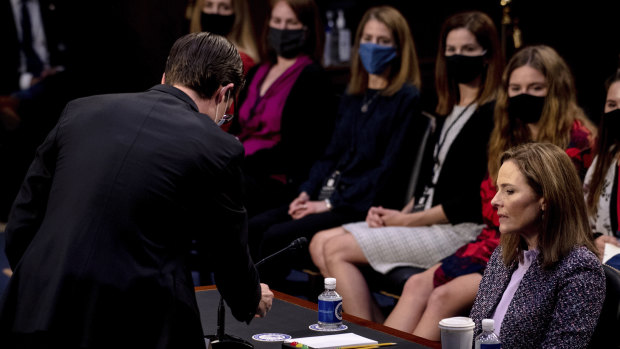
[99,234]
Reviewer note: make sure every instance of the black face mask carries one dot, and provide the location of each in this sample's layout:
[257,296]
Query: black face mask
[287,43]
[464,69]
[611,125]
[526,108]
[217,24]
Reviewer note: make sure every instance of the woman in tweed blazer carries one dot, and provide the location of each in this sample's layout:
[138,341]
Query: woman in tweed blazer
[544,286]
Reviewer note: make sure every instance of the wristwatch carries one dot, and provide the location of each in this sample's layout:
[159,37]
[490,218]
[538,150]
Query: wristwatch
[328,204]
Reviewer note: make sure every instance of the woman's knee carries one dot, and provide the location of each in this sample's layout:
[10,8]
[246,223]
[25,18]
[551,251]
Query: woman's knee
[316,244]
[440,296]
[456,294]
[339,249]
[448,299]
[418,285]
[413,284]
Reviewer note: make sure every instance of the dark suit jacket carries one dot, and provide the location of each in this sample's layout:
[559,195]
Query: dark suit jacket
[99,234]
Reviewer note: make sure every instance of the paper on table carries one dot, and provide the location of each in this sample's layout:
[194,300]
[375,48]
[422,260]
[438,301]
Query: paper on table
[610,251]
[333,341]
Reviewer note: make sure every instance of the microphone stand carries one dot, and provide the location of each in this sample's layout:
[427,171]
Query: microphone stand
[220,340]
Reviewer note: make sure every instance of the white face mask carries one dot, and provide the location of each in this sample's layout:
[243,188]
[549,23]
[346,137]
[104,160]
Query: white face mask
[225,117]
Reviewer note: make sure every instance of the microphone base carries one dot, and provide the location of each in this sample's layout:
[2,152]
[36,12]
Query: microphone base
[228,342]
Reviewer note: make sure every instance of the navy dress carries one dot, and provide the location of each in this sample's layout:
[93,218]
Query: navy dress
[372,151]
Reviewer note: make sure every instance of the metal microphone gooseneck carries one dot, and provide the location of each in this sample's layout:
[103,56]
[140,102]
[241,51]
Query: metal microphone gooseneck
[226,341]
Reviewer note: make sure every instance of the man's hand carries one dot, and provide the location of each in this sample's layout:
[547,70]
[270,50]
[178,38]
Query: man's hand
[266,300]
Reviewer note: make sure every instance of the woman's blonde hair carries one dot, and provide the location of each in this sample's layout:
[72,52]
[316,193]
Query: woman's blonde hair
[551,174]
[242,33]
[559,112]
[482,27]
[404,68]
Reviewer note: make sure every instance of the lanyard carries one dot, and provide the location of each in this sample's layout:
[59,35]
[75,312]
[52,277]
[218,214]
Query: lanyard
[441,142]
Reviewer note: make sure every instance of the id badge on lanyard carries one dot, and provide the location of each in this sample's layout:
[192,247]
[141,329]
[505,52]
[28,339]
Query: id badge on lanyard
[421,202]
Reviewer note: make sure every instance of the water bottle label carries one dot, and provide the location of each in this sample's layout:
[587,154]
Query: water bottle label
[490,346]
[330,311]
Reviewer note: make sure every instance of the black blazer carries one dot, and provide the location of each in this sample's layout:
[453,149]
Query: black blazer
[458,185]
[99,234]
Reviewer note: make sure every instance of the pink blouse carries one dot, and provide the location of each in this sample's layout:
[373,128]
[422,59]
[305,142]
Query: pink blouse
[260,116]
[509,292]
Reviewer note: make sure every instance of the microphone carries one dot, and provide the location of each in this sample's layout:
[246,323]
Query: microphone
[225,341]
[297,244]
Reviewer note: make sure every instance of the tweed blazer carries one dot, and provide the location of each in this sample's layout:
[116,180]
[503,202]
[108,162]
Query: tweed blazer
[552,308]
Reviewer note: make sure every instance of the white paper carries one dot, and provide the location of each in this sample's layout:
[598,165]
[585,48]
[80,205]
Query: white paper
[333,341]
[610,251]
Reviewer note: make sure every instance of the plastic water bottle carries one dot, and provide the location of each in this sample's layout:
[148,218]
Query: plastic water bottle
[330,32]
[330,306]
[488,339]
[344,39]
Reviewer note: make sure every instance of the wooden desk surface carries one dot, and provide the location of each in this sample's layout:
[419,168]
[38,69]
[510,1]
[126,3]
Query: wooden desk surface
[295,320]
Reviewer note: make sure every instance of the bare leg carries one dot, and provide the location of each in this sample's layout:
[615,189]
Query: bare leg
[317,245]
[445,301]
[342,255]
[412,303]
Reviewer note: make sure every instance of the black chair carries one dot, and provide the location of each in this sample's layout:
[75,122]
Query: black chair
[392,283]
[417,164]
[606,332]
[404,175]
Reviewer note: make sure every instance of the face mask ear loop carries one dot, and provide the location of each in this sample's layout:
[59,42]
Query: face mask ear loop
[225,117]
[235,110]
[217,107]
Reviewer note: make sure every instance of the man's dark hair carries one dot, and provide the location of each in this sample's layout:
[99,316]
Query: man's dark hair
[203,62]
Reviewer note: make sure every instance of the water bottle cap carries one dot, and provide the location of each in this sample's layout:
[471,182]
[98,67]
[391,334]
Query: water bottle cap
[340,20]
[330,283]
[488,325]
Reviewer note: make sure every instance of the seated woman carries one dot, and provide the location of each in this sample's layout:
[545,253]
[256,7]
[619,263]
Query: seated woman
[536,102]
[601,183]
[231,19]
[447,212]
[379,118]
[287,110]
[544,285]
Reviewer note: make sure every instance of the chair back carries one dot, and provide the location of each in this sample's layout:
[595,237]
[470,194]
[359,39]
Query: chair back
[417,165]
[606,332]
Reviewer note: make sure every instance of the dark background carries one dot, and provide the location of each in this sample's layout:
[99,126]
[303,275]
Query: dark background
[121,46]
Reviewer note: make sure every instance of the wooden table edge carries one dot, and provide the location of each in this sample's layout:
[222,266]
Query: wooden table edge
[354,319]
